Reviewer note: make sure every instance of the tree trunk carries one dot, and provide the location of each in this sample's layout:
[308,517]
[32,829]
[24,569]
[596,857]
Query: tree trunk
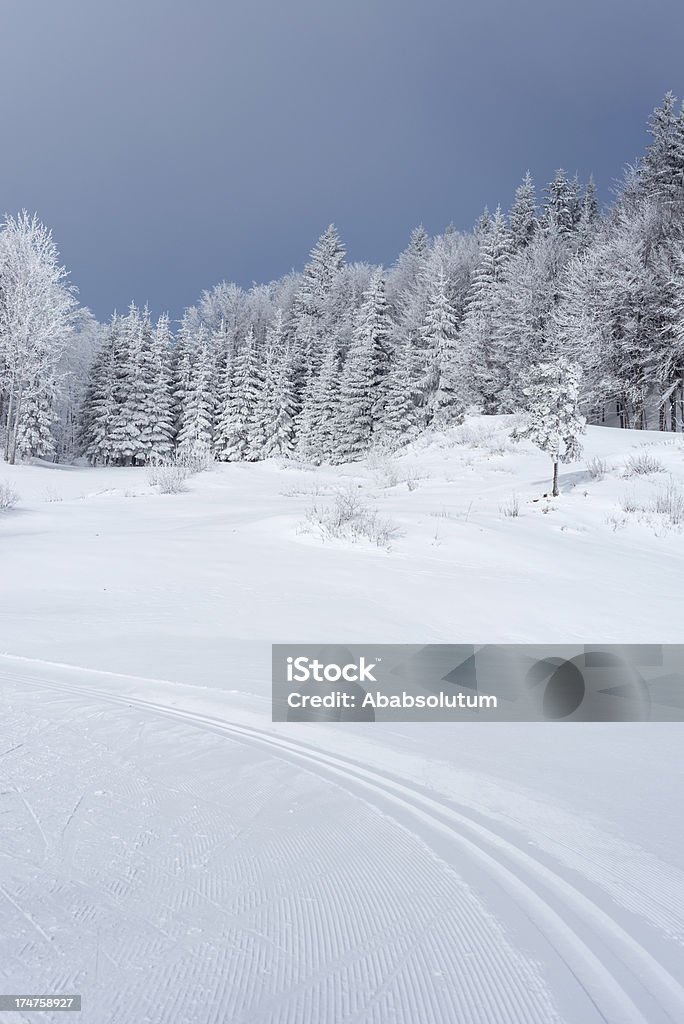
[554,492]
[15,428]
[8,426]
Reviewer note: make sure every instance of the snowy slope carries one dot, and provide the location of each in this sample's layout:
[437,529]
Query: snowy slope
[171,854]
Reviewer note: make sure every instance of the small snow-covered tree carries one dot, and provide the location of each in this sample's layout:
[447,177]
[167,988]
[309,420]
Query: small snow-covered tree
[553,421]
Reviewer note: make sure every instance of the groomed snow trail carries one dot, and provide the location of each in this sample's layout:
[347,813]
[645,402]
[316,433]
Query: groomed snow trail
[377,901]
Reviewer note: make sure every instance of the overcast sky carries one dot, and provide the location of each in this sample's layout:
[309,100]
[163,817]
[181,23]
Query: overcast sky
[172,144]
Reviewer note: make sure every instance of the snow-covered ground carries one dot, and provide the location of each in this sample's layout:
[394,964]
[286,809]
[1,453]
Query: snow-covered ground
[172,855]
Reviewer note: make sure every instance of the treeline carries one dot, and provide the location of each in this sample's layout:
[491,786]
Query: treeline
[325,364]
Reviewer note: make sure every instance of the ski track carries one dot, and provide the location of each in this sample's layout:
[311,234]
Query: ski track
[353,955]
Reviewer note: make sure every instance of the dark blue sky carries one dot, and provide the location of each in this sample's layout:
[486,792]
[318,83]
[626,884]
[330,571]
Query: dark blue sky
[172,144]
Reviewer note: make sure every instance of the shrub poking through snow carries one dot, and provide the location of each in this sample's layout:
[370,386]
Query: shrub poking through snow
[170,479]
[349,517]
[8,496]
[597,468]
[511,508]
[643,465]
[668,504]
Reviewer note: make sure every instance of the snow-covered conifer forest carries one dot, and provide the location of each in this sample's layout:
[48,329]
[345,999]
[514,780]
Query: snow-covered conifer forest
[340,358]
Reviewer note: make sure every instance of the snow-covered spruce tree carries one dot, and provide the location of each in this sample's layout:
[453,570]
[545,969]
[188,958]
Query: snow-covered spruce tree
[157,419]
[357,402]
[310,320]
[318,436]
[477,335]
[239,434]
[36,313]
[562,207]
[194,441]
[279,412]
[128,447]
[100,403]
[551,410]
[444,406]
[74,371]
[610,319]
[365,376]
[405,286]
[660,174]
[522,320]
[522,219]
[405,411]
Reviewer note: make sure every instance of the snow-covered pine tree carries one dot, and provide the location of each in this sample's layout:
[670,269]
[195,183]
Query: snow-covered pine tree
[405,411]
[310,319]
[279,421]
[357,401]
[374,330]
[404,284]
[127,445]
[481,360]
[197,407]
[240,433]
[157,419]
[562,206]
[223,431]
[522,218]
[100,403]
[522,321]
[364,380]
[74,370]
[444,398]
[319,439]
[551,410]
[35,435]
[660,174]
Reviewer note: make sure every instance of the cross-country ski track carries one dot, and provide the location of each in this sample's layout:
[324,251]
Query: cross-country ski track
[387,902]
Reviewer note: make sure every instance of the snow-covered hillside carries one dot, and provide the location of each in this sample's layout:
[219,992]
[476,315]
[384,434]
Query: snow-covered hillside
[172,855]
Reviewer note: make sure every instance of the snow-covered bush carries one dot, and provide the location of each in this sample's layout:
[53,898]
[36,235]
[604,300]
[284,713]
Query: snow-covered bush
[169,479]
[349,517]
[669,502]
[643,465]
[197,460]
[383,469]
[510,508]
[630,504]
[8,496]
[412,477]
[597,468]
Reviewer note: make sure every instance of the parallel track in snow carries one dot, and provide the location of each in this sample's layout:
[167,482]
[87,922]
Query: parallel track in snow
[625,983]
